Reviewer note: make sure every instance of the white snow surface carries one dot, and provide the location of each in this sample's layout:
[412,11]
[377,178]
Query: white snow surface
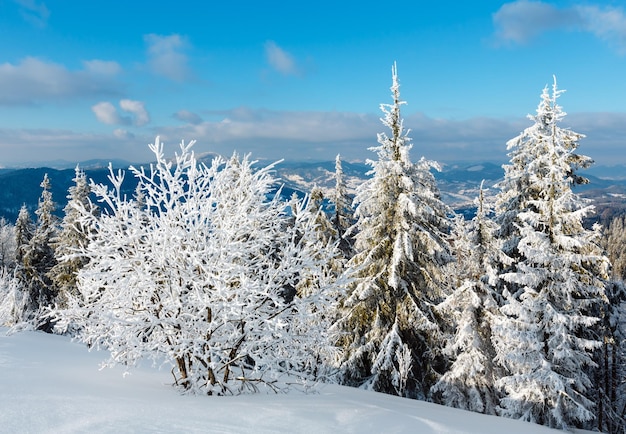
[49,384]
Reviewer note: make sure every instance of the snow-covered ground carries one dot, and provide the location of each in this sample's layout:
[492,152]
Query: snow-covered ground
[49,384]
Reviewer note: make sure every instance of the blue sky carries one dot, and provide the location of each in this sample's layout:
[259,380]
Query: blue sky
[100,79]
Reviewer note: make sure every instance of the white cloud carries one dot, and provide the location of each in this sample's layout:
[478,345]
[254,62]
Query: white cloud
[314,136]
[321,135]
[166,57]
[280,60]
[34,12]
[33,80]
[244,123]
[107,113]
[137,109]
[37,145]
[123,134]
[608,24]
[521,21]
[102,67]
[187,116]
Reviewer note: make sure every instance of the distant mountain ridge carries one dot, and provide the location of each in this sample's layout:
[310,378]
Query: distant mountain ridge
[64,164]
[23,187]
[459,183]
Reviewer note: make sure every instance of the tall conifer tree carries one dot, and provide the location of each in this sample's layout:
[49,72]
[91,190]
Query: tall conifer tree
[24,229]
[15,299]
[390,329]
[343,218]
[38,259]
[7,244]
[556,280]
[472,308]
[71,238]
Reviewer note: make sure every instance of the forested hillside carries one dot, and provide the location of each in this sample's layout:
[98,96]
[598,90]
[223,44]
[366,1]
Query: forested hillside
[458,182]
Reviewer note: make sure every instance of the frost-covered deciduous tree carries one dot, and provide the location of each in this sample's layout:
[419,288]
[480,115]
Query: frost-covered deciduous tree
[10,293]
[472,308]
[202,275]
[557,278]
[71,238]
[11,298]
[326,256]
[390,330]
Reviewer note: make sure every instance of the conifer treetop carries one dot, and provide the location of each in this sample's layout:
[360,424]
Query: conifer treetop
[396,147]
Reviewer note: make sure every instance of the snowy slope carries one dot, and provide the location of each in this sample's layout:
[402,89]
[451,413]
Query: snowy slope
[49,384]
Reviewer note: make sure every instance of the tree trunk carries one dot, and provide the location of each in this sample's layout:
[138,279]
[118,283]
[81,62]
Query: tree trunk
[182,370]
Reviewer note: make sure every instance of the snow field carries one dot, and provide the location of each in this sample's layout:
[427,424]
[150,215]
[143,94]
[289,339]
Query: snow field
[49,384]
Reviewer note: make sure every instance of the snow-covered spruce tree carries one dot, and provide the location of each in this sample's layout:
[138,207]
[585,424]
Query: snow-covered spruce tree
[315,207]
[37,260]
[326,234]
[610,374]
[198,276]
[614,242]
[71,237]
[391,334]
[545,341]
[7,244]
[472,308]
[519,187]
[24,229]
[343,218]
